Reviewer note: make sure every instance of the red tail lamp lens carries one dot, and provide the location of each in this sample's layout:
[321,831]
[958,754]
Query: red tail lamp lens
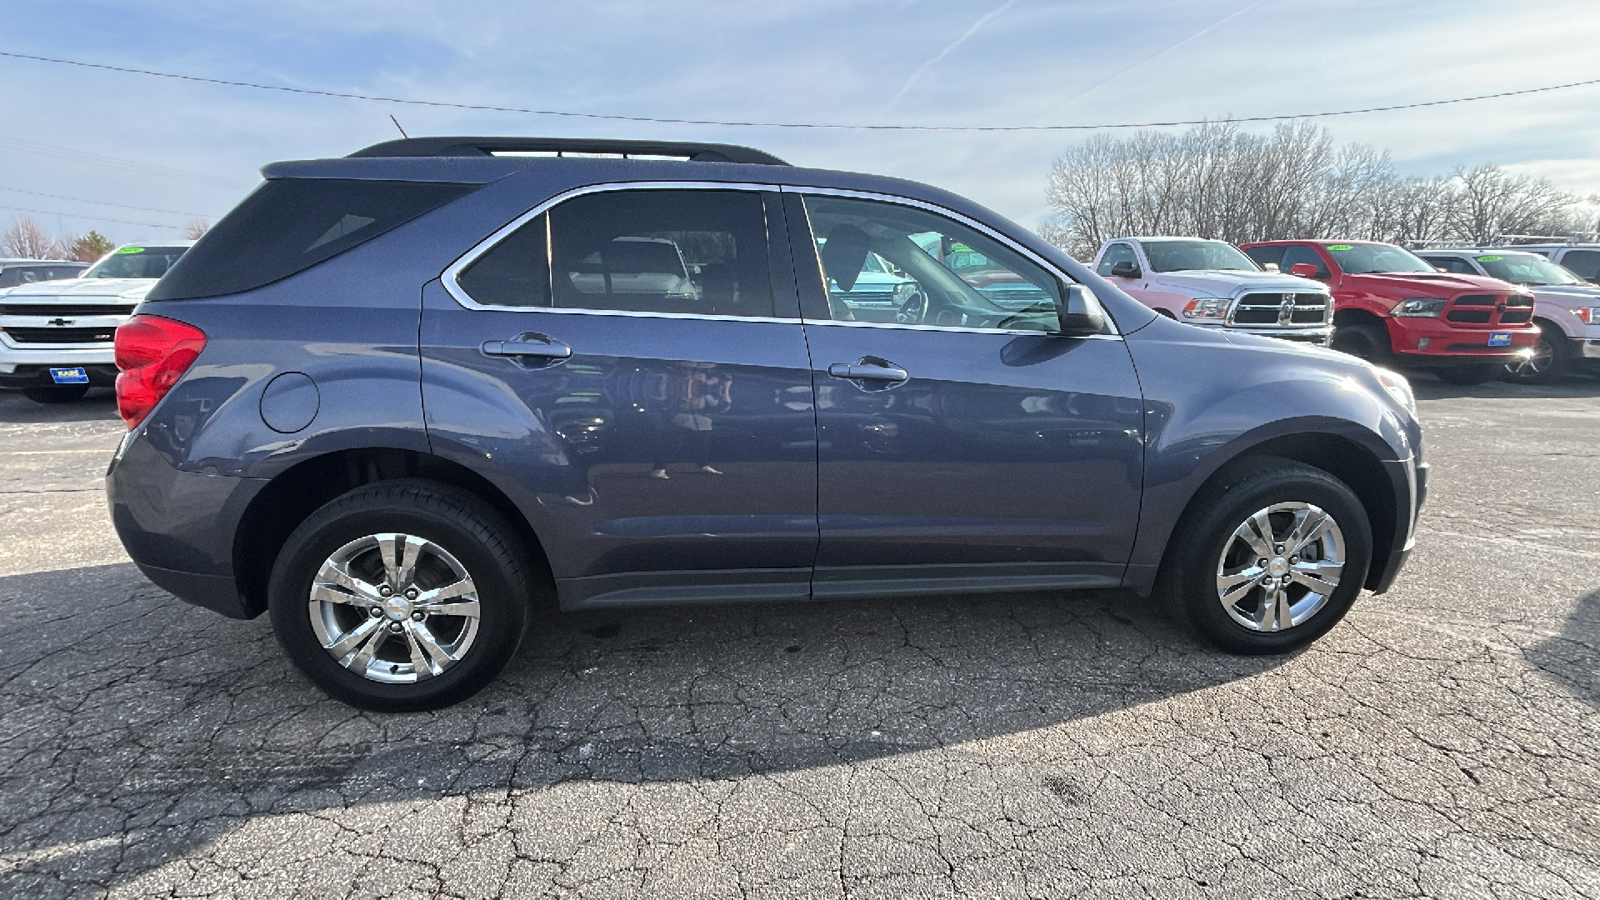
[153,353]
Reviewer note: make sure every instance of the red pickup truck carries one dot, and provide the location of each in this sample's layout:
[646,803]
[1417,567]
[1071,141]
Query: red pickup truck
[1392,308]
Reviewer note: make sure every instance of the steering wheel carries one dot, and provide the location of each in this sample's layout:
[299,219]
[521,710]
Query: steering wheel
[914,310]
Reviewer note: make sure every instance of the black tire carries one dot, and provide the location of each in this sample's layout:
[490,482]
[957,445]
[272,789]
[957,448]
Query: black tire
[1363,340]
[1475,373]
[471,536]
[63,393]
[1552,356]
[1196,557]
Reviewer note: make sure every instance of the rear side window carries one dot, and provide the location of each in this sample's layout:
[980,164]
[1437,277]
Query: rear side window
[1585,263]
[289,225]
[1265,255]
[698,252]
[1116,253]
[1452,265]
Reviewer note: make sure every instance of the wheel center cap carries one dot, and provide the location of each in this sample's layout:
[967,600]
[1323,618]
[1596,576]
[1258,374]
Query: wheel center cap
[397,607]
[1279,567]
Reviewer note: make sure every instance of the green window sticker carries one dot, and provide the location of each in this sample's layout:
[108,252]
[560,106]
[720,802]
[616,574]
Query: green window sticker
[1490,258]
[130,250]
[1341,246]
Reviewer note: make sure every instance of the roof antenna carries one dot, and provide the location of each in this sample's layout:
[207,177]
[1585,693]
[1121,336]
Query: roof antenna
[397,125]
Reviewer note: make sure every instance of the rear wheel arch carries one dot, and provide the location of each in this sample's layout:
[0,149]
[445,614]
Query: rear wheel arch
[297,492]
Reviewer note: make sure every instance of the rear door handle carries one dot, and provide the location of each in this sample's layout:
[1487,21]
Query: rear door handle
[859,372]
[525,347]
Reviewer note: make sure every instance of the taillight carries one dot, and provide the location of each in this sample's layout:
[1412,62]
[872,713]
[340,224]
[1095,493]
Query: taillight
[153,353]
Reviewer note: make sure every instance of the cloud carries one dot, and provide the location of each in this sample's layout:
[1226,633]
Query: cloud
[949,48]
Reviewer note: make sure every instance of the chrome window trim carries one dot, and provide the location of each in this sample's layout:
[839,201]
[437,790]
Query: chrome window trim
[962,329]
[454,270]
[964,220]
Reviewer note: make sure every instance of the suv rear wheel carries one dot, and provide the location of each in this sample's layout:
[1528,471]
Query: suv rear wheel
[400,596]
[1269,558]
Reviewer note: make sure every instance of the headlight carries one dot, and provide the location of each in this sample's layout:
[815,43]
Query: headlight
[1207,308]
[1421,306]
[1399,388]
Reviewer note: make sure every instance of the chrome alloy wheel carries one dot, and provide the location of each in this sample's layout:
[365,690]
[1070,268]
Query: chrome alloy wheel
[1280,566]
[394,608]
[1537,360]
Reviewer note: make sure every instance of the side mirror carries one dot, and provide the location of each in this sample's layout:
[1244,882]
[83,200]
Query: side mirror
[1079,311]
[1125,269]
[1307,270]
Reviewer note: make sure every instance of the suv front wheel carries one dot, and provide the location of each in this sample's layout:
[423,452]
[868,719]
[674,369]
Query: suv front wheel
[400,596]
[1270,557]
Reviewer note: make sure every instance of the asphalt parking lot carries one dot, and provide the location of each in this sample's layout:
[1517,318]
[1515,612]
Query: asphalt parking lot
[1444,741]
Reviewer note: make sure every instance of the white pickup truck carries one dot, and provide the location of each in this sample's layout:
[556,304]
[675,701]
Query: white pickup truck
[56,336]
[1211,283]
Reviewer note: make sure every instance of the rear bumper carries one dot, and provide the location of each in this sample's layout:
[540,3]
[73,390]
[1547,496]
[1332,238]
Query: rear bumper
[179,526]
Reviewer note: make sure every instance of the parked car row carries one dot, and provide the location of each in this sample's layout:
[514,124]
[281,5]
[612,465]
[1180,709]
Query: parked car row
[1467,314]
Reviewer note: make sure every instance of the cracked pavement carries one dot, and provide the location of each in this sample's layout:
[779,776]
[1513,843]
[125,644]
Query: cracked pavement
[1443,741]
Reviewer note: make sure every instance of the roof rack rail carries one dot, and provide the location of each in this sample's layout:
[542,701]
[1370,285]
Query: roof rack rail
[1435,243]
[1576,237]
[582,147]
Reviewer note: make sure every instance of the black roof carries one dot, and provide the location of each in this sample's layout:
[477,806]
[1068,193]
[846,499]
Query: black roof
[489,146]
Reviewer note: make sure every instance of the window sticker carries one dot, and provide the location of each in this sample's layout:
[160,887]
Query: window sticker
[1341,246]
[130,249]
[1490,258]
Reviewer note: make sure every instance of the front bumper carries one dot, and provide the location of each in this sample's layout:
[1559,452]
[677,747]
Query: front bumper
[1422,341]
[1317,336]
[1591,349]
[1410,477]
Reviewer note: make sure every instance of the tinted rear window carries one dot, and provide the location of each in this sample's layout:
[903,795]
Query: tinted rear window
[289,225]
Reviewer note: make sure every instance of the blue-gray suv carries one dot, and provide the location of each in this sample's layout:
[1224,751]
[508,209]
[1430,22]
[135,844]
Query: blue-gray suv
[397,400]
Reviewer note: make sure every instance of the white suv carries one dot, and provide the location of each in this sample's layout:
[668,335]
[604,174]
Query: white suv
[56,336]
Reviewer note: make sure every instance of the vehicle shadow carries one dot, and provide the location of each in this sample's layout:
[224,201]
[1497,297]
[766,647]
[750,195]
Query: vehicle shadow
[136,728]
[99,404]
[1429,387]
[1572,658]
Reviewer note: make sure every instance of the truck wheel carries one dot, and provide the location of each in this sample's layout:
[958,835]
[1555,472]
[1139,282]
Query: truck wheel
[1476,373]
[65,393]
[398,597]
[1269,558]
[1365,341]
[1550,359]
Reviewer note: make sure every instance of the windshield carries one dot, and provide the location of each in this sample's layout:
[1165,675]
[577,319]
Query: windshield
[1364,259]
[1178,256]
[1526,268]
[136,262]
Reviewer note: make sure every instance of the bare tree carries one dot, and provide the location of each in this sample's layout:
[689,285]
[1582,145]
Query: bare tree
[196,229]
[1492,201]
[1216,181]
[27,240]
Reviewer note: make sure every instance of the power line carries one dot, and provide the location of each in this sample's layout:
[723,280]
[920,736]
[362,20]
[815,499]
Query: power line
[808,125]
[47,212]
[104,203]
[95,159]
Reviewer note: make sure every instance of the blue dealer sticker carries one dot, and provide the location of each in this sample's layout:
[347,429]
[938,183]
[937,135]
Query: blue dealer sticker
[69,375]
[1500,339]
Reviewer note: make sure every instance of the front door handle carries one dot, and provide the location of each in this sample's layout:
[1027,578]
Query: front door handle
[528,345]
[867,372]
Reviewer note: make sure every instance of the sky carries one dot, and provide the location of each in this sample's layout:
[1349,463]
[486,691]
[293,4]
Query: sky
[167,152]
